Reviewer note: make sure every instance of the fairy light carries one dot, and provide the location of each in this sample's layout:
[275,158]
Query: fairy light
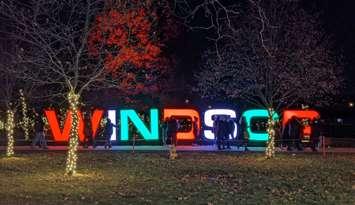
[25,120]
[2,125]
[74,135]
[270,148]
[10,133]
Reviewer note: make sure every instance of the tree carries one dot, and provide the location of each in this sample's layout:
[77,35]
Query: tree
[134,34]
[64,47]
[287,58]
[8,94]
[215,17]
[53,38]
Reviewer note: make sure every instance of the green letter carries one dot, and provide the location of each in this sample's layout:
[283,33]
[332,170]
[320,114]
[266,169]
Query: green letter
[248,115]
[153,134]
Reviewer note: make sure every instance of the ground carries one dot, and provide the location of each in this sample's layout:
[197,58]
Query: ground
[194,178]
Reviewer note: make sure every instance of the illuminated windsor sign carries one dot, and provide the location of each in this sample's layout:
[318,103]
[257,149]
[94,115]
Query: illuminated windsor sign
[149,131]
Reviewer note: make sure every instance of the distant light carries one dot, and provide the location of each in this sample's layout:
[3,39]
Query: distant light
[351,104]
[187,101]
[209,107]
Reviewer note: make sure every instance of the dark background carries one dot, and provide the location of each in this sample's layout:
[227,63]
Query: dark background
[338,20]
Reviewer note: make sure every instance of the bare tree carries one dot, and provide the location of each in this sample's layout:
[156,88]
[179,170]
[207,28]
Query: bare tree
[216,17]
[284,60]
[52,37]
[8,95]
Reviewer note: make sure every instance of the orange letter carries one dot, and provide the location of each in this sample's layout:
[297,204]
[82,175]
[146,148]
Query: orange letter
[184,113]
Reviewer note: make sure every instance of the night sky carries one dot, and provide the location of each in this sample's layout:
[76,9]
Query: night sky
[338,18]
[339,21]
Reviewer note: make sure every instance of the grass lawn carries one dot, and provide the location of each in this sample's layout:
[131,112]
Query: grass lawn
[194,178]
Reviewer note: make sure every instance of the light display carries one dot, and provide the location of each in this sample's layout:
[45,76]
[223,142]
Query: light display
[111,114]
[300,114]
[184,113]
[209,121]
[270,146]
[63,136]
[150,130]
[58,135]
[10,125]
[153,134]
[73,141]
[258,113]
[25,120]
[2,125]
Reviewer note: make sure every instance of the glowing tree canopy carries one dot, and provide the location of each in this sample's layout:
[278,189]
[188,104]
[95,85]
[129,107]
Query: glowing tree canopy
[127,37]
[133,36]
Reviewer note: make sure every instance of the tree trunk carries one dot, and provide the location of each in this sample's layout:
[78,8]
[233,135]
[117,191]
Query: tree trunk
[270,147]
[10,125]
[73,99]
[25,119]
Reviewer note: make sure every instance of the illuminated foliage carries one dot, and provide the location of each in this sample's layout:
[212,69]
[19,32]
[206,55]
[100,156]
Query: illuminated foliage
[127,38]
[131,38]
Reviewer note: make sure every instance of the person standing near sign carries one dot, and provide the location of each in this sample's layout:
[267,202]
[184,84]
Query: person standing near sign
[108,130]
[172,129]
[87,130]
[39,132]
[195,128]
[244,131]
[164,133]
[217,131]
[315,134]
[294,129]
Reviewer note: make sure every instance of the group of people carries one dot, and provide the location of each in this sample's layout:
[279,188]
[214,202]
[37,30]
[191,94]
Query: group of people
[223,129]
[292,133]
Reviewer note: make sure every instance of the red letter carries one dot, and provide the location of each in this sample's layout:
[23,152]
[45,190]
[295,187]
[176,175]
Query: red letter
[300,114]
[95,122]
[63,136]
[58,136]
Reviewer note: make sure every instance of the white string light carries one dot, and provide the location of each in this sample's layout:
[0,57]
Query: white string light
[270,148]
[25,120]
[74,141]
[10,125]
[2,125]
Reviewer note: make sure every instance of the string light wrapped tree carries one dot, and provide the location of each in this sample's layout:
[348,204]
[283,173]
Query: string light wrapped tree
[25,123]
[53,55]
[10,125]
[8,94]
[75,47]
[281,58]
